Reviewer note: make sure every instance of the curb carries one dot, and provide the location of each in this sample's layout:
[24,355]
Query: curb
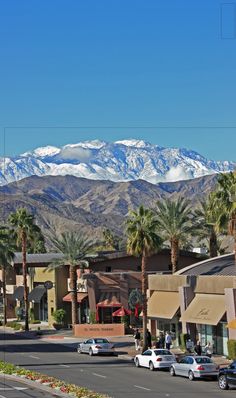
[36,385]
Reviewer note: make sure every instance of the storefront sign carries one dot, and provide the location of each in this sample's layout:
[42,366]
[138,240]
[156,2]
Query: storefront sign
[99,330]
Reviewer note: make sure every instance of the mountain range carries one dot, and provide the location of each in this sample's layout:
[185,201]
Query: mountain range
[127,160]
[70,203]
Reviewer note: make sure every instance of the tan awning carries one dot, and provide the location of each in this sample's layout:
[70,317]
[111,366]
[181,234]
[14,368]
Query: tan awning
[163,305]
[206,309]
[80,297]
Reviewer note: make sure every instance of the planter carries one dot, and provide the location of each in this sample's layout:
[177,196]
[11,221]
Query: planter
[58,326]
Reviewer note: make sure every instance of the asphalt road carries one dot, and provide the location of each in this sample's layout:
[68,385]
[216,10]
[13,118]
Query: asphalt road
[14,389]
[109,375]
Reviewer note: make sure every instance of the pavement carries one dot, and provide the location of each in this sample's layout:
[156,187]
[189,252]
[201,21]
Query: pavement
[125,347]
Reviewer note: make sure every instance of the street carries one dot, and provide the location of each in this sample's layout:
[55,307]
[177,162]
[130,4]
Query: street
[113,376]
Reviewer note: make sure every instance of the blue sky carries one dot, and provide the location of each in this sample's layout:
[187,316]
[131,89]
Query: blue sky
[114,69]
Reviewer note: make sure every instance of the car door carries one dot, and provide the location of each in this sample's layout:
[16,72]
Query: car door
[87,345]
[231,373]
[145,358]
[181,367]
[189,365]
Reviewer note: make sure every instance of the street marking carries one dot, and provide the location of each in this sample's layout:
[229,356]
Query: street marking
[96,374]
[2,396]
[143,388]
[13,388]
[32,356]
[64,366]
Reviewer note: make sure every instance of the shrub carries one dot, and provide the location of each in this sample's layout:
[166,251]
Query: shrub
[35,322]
[232,349]
[12,324]
[59,315]
[17,326]
[92,317]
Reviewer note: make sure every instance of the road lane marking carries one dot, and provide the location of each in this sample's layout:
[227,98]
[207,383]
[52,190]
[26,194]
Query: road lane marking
[13,388]
[2,396]
[32,356]
[143,388]
[64,366]
[98,375]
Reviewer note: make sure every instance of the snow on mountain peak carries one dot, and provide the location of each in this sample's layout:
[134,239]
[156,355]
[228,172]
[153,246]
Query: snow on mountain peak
[133,143]
[123,160]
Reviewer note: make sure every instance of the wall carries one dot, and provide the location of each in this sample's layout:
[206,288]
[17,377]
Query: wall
[99,330]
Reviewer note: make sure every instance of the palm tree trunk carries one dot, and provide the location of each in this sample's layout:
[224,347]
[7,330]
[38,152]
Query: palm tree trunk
[213,245]
[144,296]
[73,287]
[4,296]
[174,254]
[24,271]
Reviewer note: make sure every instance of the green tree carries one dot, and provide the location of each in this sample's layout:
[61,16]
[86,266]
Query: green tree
[6,257]
[76,249]
[225,195]
[110,239]
[174,223]
[143,241]
[207,224]
[25,228]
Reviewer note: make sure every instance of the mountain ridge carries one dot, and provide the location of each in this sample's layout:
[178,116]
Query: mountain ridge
[123,160]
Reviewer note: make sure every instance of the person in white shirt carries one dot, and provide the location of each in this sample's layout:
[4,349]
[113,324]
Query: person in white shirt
[168,340]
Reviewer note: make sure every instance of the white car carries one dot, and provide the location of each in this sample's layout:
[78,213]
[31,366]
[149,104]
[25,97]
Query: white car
[96,346]
[155,359]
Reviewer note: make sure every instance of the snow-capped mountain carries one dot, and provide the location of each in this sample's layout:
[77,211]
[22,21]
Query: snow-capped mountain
[119,161]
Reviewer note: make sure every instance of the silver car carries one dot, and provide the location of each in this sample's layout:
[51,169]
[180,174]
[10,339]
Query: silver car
[194,367]
[155,359]
[96,346]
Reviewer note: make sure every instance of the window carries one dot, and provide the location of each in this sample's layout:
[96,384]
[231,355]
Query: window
[139,268]
[148,352]
[108,269]
[190,360]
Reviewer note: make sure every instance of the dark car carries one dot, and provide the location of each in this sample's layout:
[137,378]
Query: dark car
[227,376]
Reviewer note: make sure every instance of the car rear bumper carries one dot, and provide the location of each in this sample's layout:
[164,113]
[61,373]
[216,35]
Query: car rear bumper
[163,364]
[205,374]
[98,351]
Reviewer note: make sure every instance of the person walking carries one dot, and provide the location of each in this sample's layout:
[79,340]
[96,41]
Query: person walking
[198,348]
[168,340]
[208,349]
[162,340]
[189,346]
[149,339]
[137,337]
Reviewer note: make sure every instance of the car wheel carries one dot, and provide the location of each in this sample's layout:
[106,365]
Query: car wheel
[222,382]
[151,366]
[79,350]
[90,352]
[191,375]
[172,371]
[137,363]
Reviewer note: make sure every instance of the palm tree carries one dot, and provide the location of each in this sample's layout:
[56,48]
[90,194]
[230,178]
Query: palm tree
[207,223]
[143,241]
[25,229]
[6,257]
[76,250]
[226,196]
[173,219]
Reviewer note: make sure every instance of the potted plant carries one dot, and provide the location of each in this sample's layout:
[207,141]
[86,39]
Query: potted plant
[59,317]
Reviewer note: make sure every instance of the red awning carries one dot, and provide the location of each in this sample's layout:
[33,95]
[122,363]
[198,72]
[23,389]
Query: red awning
[109,300]
[121,312]
[80,297]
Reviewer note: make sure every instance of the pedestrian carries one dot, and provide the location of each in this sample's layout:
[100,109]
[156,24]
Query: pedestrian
[162,340]
[208,349]
[198,348]
[149,338]
[157,344]
[189,346]
[168,340]
[137,337]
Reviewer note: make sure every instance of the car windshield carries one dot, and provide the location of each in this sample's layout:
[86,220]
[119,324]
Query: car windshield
[203,360]
[101,341]
[162,352]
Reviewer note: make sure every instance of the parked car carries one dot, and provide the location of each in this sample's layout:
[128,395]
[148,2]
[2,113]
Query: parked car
[194,367]
[155,359]
[227,376]
[96,346]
